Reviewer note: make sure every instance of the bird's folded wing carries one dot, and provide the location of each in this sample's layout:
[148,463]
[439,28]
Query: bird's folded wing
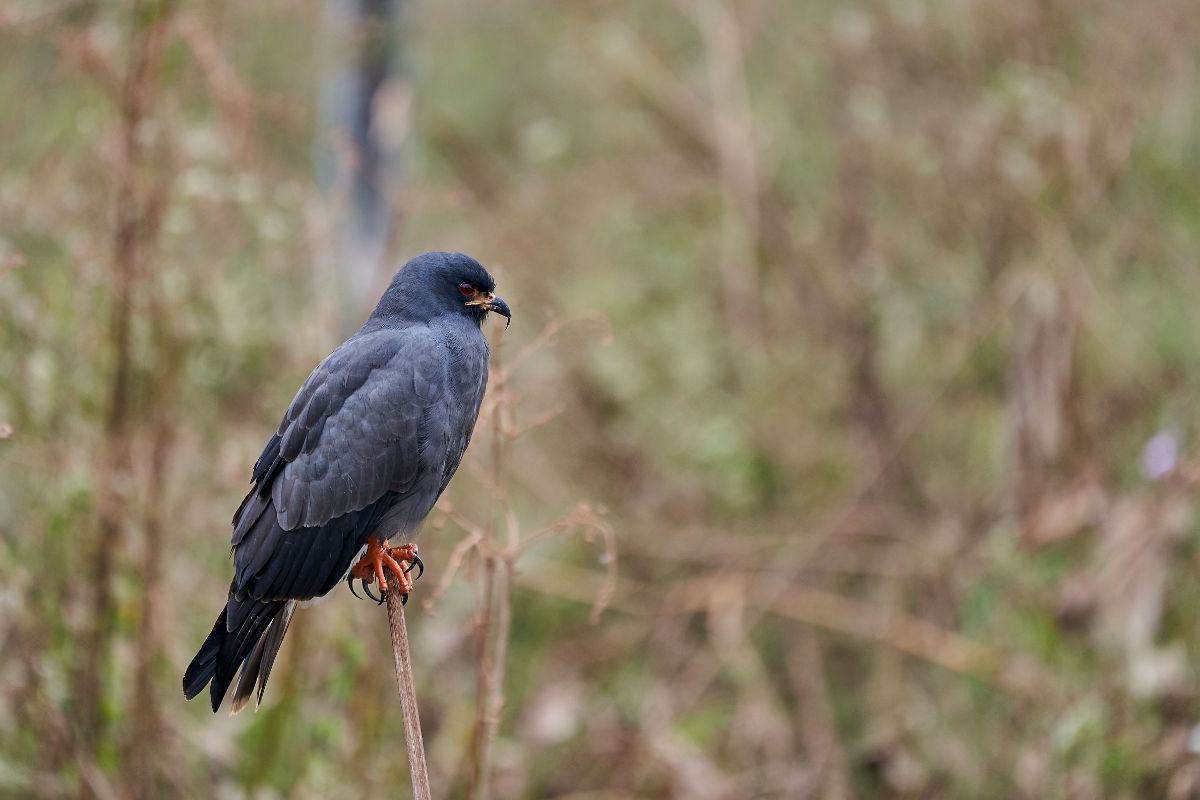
[364,424]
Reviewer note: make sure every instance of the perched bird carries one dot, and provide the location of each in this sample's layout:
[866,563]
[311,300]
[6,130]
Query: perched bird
[365,449]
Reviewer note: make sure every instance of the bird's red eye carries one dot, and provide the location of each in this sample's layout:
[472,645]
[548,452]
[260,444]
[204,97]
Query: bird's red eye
[466,289]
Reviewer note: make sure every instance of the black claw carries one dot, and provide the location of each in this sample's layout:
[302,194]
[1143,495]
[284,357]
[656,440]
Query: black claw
[366,588]
[350,583]
[416,562]
[404,599]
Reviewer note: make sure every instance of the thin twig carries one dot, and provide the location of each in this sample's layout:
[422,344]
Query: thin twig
[479,752]
[492,646]
[408,698]
[1017,676]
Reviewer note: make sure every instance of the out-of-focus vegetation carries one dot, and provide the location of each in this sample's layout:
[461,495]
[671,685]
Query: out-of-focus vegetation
[869,330]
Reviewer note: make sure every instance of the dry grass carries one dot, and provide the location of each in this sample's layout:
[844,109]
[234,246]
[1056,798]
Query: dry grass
[864,333]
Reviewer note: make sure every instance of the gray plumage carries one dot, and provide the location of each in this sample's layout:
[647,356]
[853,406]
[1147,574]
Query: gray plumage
[366,447]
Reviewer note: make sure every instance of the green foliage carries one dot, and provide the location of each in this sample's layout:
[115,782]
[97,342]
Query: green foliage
[877,300]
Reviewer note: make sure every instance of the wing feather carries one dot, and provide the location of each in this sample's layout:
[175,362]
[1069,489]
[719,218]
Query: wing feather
[361,432]
[367,418]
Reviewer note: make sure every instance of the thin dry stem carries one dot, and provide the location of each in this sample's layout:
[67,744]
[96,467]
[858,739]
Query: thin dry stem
[477,768]
[408,698]
[493,648]
[496,553]
[819,608]
[139,206]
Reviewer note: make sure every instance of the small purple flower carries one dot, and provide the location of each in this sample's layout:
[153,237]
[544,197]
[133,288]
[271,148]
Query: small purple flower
[1160,455]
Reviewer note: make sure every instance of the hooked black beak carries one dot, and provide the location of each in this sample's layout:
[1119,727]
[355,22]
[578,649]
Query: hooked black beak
[500,307]
[489,302]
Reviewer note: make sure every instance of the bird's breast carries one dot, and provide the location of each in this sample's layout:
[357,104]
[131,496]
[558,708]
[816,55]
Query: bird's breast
[467,358]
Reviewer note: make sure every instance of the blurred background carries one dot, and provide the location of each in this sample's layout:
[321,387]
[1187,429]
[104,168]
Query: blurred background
[843,446]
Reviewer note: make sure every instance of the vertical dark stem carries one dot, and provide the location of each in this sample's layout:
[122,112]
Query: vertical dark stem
[357,160]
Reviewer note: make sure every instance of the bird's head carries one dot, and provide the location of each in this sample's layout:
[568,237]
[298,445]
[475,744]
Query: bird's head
[434,284]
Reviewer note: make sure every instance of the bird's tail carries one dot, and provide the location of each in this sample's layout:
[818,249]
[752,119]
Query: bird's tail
[250,644]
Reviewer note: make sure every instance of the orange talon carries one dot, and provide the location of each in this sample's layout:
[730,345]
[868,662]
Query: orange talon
[399,560]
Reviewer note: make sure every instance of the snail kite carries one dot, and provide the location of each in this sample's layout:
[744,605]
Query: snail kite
[365,449]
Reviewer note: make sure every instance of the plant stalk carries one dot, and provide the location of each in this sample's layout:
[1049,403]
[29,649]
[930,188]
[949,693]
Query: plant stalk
[408,698]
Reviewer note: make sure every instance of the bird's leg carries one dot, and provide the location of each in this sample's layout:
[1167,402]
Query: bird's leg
[400,560]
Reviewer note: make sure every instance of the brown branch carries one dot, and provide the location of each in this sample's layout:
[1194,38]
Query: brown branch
[477,764]
[408,698]
[225,86]
[497,559]
[492,647]
[138,209]
[493,675]
[1014,673]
